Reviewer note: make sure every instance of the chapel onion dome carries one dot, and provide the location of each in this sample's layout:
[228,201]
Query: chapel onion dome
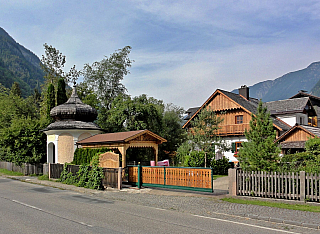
[74,109]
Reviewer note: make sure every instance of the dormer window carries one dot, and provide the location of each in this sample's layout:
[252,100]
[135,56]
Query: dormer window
[239,119]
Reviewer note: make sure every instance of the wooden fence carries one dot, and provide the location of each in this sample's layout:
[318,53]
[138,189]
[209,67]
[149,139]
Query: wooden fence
[25,168]
[199,179]
[111,178]
[293,186]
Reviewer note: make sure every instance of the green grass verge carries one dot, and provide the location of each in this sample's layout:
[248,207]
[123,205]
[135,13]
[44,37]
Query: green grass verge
[306,207]
[12,173]
[43,177]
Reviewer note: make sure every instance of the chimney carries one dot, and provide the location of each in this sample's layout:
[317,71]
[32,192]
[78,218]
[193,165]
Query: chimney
[244,91]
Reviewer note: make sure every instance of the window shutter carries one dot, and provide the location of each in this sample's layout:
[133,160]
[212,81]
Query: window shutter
[233,146]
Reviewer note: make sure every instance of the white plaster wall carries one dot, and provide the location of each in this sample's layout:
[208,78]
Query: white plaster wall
[229,141]
[53,136]
[289,119]
[292,119]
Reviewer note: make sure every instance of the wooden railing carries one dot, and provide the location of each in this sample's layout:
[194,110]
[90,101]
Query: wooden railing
[233,129]
[293,186]
[173,177]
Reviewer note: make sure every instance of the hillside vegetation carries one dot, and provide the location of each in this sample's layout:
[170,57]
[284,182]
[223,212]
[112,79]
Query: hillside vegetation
[17,64]
[288,85]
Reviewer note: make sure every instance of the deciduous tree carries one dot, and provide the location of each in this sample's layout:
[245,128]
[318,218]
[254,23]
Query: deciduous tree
[105,76]
[203,133]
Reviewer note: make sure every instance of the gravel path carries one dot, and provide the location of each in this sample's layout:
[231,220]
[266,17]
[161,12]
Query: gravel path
[195,203]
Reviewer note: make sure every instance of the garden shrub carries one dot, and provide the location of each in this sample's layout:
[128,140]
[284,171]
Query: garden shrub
[83,156]
[220,166]
[87,176]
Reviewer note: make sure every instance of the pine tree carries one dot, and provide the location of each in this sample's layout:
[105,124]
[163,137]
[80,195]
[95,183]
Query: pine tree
[260,153]
[51,100]
[15,89]
[61,92]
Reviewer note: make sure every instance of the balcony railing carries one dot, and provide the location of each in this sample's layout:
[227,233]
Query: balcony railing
[233,129]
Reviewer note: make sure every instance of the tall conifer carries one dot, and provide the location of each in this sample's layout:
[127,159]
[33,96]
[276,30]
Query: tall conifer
[51,100]
[61,92]
[260,153]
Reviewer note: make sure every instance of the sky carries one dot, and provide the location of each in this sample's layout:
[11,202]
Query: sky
[183,50]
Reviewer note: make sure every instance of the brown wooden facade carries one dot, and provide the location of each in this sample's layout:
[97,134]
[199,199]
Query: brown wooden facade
[228,110]
[294,140]
[235,117]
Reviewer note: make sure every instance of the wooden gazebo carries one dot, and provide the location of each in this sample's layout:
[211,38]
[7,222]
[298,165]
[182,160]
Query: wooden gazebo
[123,141]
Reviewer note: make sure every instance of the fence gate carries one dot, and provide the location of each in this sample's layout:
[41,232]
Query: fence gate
[188,178]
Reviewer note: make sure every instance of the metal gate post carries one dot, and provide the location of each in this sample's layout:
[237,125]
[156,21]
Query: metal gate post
[212,180]
[139,176]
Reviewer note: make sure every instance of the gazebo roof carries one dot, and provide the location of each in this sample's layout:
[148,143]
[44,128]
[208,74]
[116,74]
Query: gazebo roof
[122,137]
[74,109]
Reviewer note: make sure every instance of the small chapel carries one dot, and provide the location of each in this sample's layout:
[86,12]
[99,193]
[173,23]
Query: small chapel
[73,121]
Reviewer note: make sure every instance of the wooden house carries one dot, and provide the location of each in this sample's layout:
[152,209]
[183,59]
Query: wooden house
[236,111]
[315,101]
[294,139]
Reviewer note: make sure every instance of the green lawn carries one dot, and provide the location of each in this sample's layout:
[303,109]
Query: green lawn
[303,207]
[12,173]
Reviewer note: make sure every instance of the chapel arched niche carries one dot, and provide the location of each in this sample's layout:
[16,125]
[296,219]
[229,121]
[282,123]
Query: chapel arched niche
[51,153]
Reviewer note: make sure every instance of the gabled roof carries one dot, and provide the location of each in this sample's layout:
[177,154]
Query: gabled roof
[250,106]
[313,131]
[235,98]
[303,94]
[118,137]
[296,105]
[278,122]
[191,112]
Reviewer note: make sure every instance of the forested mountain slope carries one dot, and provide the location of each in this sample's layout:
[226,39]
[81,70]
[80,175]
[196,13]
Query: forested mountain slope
[18,64]
[288,85]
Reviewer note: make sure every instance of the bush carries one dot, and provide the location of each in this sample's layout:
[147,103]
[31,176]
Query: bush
[195,159]
[220,166]
[83,156]
[87,176]
[303,161]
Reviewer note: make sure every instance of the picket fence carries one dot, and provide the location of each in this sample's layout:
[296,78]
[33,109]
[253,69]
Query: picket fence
[292,186]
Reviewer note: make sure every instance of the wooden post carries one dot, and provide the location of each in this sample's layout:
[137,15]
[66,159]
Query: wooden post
[139,176]
[49,170]
[120,178]
[302,185]
[232,176]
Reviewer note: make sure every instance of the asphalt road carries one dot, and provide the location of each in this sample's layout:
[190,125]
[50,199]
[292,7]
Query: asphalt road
[29,208]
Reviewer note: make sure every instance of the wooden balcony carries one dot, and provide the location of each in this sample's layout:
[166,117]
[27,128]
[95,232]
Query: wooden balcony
[233,129]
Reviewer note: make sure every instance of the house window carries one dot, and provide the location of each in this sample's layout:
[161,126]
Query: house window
[235,147]
[301,120]
[238,146]
[239,119]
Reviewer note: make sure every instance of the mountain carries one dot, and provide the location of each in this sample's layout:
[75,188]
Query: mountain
[18,64]
[288,85]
